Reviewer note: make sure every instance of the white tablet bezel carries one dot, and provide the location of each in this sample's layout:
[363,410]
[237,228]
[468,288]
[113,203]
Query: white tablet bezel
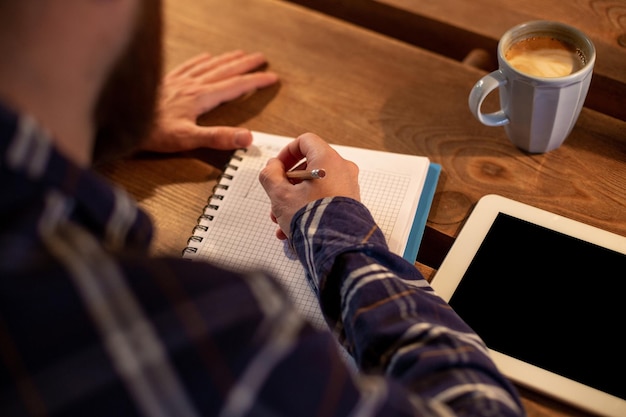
[458,259]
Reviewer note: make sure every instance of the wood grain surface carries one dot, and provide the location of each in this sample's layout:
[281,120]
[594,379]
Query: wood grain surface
[455,28]
[354,86]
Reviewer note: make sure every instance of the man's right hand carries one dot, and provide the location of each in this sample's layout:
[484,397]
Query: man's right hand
[288,196]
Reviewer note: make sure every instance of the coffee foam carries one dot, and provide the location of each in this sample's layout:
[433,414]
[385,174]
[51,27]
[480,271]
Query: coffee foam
[544,57]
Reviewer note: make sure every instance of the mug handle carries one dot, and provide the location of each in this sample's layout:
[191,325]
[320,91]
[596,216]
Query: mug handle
[480,91]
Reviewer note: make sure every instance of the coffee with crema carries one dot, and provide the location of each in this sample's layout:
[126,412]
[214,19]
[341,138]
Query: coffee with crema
[545,57]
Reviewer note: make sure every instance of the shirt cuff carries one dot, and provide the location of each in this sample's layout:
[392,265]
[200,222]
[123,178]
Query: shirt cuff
[326,228]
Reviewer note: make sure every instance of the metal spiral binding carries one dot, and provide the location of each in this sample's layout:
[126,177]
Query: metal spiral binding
[211,206]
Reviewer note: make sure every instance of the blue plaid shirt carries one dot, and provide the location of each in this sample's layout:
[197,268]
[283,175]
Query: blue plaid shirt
[91,325]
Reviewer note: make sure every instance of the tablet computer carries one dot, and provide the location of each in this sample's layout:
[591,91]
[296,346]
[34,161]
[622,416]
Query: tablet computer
[546,295]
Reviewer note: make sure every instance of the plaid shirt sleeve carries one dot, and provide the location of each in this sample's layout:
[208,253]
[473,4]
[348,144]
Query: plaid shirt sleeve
[388,317]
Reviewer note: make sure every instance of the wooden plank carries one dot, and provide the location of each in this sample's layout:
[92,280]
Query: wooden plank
[456,27]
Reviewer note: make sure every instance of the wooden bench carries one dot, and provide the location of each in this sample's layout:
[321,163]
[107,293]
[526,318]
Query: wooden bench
[460,28]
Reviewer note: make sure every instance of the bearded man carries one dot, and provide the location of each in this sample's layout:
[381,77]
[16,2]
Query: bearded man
[90,325]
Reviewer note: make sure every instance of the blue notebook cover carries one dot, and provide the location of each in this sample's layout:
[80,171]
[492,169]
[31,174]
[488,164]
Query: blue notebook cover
[423,208]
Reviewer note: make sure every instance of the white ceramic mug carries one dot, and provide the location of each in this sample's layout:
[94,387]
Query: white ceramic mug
[537,112]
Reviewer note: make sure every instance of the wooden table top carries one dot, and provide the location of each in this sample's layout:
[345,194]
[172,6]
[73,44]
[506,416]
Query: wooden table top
[356,87]
[456,27]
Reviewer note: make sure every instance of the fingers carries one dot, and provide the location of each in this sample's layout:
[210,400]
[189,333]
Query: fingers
[273,180]
[272,175]
[210,96]
[232,66]
[224,60]
[279,232]
[281,235]
[182,135]
[288,197]
[208,68]
[219,137]
[198,86]
[296,150]
[311,147]
[204,61]
[186,66]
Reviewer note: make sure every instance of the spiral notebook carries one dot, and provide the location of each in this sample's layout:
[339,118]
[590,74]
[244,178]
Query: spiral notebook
[235,230]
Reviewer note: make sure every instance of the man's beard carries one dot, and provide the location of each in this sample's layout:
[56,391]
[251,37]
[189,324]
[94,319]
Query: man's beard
[126,109]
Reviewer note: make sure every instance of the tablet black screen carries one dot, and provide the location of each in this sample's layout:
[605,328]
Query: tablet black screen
[548,299]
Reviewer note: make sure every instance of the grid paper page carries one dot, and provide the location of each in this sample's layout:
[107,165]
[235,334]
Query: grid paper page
[241,235]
